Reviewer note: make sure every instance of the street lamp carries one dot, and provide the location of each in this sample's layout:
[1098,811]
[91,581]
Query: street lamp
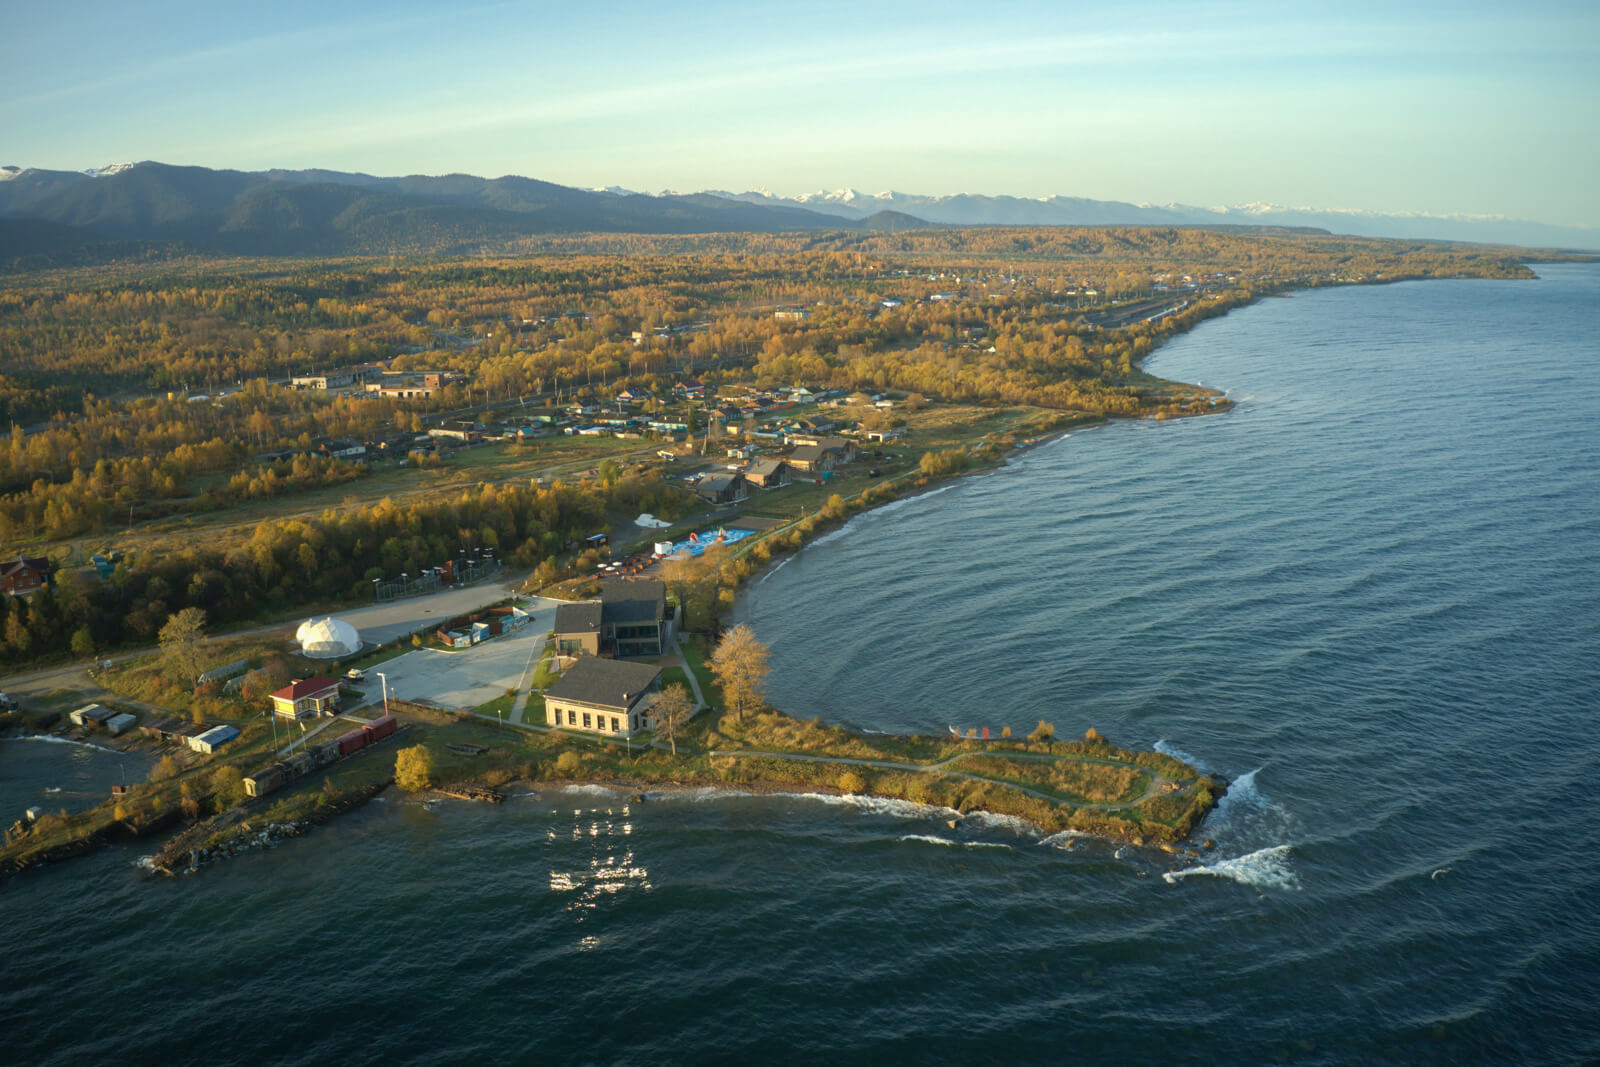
[375,583]
[384,678]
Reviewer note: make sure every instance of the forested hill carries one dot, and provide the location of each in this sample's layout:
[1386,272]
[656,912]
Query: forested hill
[325,213]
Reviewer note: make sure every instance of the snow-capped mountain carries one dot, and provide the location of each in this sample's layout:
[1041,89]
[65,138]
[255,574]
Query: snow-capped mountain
[109,170]
[7,173]
[968,209]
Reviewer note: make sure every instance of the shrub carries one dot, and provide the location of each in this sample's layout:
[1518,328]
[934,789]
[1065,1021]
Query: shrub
[851,782]
[569,764]
[413,769]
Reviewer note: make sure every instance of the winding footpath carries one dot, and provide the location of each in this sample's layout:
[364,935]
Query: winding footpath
[1157,781]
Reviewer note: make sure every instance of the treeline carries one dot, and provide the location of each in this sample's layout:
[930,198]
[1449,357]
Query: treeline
[114,491]
[335,557]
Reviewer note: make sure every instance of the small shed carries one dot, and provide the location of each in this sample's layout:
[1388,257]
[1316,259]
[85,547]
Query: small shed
[92,716]
[117,724]
[213,739]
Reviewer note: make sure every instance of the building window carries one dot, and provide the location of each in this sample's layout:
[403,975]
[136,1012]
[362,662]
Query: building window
[572,718]
[614,724]
[586,720]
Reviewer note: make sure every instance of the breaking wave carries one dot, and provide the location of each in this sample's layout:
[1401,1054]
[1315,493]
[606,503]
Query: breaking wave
[62,741]
[930,839]
[893,505]
[775,568]
[1266,868]
[1064,839]
[1166,748]
[900,809]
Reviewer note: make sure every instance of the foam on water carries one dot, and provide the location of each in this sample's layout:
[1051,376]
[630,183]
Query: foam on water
[1266,868]
[989,820]
[63,741]
[876,514]
[775,569]
[1064,839]
[900,809]
[931,839]
[1166,748]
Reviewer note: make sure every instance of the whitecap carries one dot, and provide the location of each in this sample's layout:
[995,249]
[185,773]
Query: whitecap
[593,790]
[62,741]
[904,809]
[1021,827]
[1064,839]
[775,569]
[1166,748]
[1266,868]
[929,839]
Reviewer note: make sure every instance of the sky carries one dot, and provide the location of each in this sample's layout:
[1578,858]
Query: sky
[1445,108]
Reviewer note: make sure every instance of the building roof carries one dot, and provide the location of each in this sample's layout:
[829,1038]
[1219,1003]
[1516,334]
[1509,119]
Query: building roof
[765,468]
[717,483]
[634,601]
[806,453]
[306,687]
[218,734]
[32,563]
[581,617]
[604,683]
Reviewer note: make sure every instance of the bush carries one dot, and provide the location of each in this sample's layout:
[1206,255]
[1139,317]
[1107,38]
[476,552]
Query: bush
[413,769]
[851,782]
[569,764]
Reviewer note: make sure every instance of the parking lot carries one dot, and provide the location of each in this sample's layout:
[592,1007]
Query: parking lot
[472,676]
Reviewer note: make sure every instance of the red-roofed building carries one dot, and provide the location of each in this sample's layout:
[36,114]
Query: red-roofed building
[24,575]
[306,699]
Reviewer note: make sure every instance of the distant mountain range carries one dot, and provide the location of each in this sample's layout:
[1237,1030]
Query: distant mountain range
[966,209]
[321,212]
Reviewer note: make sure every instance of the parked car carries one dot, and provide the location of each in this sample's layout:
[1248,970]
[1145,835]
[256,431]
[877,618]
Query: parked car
[355,674]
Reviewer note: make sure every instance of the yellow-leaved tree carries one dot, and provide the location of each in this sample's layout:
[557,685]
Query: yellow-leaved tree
[413,769]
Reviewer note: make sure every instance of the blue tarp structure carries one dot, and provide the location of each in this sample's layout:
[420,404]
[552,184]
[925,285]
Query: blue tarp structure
[697,542]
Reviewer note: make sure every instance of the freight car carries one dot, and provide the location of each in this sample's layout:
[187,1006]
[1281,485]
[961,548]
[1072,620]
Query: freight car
[265,779]
[354,741]
[378,729]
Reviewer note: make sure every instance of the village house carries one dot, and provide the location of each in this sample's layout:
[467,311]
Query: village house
[629,619]
[818,455]
[602,696]
[25,574]
[722,488]
[768,473]
[306,698]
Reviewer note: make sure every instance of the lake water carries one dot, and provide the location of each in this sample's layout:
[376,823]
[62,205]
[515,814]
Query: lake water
[1370,595]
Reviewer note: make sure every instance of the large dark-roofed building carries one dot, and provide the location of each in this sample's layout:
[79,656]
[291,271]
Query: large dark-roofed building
[629,619]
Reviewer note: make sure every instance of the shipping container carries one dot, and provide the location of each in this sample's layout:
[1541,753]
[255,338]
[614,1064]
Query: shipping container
[381,728]
[353,741]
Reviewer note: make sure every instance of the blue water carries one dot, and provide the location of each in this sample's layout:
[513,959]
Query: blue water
[1370,595]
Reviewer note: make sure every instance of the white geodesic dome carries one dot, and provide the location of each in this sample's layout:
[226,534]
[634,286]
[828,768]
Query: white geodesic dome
[327,638]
